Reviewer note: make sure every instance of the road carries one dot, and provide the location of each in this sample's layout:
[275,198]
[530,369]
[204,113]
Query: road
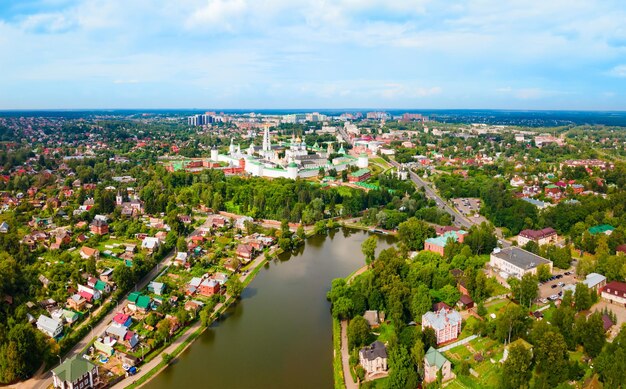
[459,220]
[45,380]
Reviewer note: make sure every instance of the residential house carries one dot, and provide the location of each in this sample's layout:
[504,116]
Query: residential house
[445,322]
[517,181]
[123,319]
[88,252]
[541,237]
[99,227]
[75,373]
[89,293]
[245,252]
[373,318]
[4,228]
[434,361]
[116,331]
[514,261]
[208,287]
[138,302]
[193,305]
[107,275]
[220,278]
[49,326]
[465,302]
[157,288]
[438,244]
[181,259]
[193,286]
[150,243]
[76,302]
[615,293]
[373,358]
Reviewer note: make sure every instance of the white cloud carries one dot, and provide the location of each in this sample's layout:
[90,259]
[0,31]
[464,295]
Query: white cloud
[48,23]
[218,15]
[618,71]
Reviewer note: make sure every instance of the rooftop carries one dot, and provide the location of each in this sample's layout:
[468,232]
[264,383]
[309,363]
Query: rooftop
[438,320]
[373,351]
[72,369]
[435,358]
[520,257]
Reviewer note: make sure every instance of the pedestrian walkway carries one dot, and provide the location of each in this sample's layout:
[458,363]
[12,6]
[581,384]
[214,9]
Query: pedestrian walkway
[345,357]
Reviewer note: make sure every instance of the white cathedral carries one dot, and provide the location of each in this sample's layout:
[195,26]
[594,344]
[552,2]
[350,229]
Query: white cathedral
[297,162]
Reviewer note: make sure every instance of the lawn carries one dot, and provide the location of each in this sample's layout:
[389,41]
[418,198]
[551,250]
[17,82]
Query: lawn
[496,306]
[385,332]
[488,372]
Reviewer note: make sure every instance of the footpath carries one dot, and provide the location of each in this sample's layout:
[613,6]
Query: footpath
[345,357]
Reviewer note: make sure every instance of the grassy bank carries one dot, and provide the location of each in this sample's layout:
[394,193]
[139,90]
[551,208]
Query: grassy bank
[337,365]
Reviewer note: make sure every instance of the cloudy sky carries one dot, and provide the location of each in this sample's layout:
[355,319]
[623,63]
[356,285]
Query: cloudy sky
[514,54]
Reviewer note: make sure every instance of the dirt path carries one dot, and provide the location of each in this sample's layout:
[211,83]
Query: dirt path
[345,357]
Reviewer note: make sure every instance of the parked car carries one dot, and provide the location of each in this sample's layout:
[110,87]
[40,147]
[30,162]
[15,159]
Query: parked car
[553,286]
[561,284]
[554,297]
[558,277]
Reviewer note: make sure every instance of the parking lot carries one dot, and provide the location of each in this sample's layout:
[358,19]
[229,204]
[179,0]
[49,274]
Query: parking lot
[550,288]
[467,206]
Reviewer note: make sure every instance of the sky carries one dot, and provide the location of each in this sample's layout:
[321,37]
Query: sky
[430,54]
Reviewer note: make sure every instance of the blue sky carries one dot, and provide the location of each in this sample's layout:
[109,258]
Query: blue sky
[556,54]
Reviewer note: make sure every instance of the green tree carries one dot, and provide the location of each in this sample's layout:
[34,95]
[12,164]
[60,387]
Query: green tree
[342,308]
[358,332]
[511,323]
[413,233]
[526,289]
[582,297]
[124,277]
[551,358]
[449,294]
[368,247]
[611,363]
[590,334]
[543,272]
[418,353]
[181,244]
[517,369]
[402,374]
[234,287]
[421,302]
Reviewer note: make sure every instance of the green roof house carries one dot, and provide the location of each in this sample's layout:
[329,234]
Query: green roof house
[75,373]
[434,361]
[601,229]
[143,303]
[132,297]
